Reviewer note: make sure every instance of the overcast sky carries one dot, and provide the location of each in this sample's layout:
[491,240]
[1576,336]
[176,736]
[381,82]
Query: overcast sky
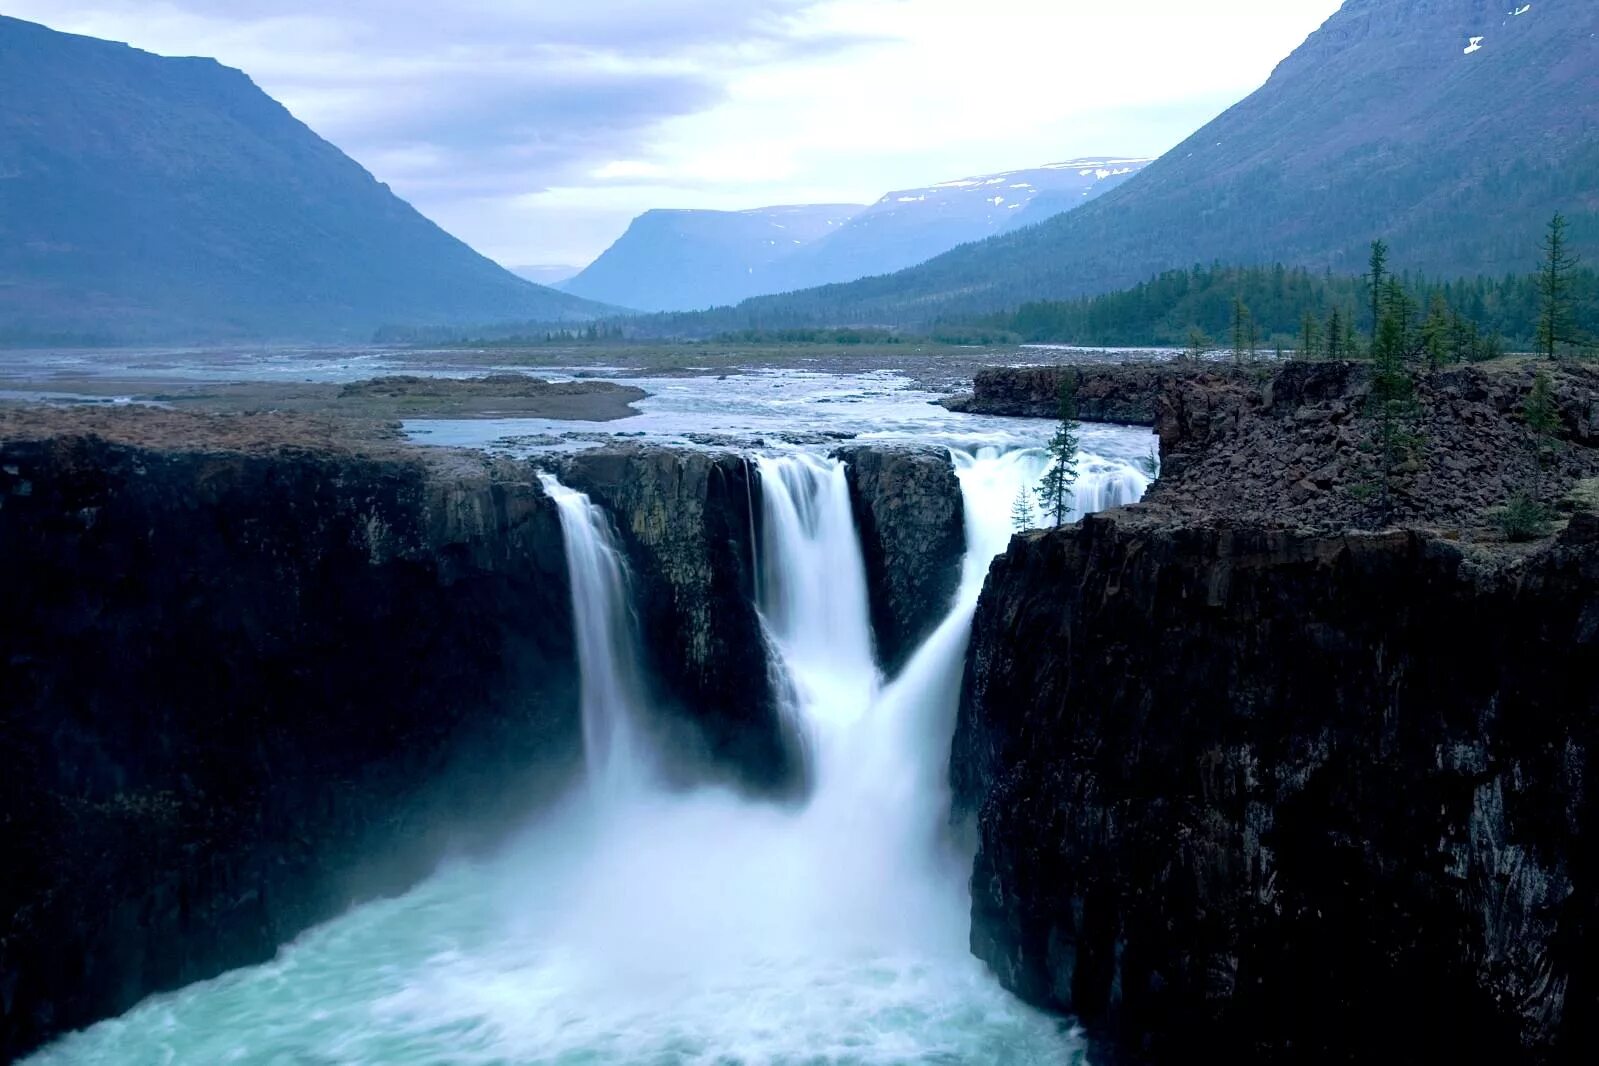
[535,129]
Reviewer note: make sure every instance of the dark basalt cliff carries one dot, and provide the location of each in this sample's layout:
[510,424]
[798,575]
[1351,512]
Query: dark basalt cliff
[1289,797]
[244,687]
[909,511]
[1249,781]
[687,522]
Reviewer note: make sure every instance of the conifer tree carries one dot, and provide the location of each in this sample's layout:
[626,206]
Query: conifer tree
[1198,343]
[1436,333]
[1392,400]
[1554,289]
[1308,338]
[1542,414]
[1055,488]
[1376,272]
[1021,512]
[1335,336]
[1243,330]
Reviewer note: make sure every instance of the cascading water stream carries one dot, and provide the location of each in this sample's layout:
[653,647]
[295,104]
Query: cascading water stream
[610,682]
[813,596]
[646,926]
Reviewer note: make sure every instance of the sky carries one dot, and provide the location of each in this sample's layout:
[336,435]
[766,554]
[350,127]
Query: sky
[535,130]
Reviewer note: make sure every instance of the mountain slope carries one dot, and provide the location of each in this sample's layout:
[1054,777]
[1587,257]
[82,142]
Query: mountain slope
[143,197]
[688,260]
[910,226]
[684,260]
[1385,122]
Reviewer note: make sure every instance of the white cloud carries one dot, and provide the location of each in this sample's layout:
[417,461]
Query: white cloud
[535,130]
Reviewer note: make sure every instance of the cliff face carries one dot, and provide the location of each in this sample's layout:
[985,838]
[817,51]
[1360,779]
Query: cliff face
[239,691]
[1289,797]
[686,520]
[1248,780]
[909,511]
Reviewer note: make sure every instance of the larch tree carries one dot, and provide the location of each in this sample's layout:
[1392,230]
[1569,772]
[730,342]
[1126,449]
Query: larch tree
[1554,289]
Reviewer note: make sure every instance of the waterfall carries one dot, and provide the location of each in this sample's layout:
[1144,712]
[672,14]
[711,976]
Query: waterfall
[641,924]
[611,686]
[881,751]
[813,593]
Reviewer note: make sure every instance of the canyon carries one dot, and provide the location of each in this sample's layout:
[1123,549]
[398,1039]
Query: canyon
[1239,773]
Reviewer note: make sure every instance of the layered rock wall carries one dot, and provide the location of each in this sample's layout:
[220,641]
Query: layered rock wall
[241,689]
[1289,797]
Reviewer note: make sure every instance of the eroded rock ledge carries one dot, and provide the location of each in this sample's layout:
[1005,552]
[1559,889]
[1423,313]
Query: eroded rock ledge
[909,511]
[1127,393]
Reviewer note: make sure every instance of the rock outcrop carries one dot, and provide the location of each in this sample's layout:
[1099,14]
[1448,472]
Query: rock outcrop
[1296,446]
[1126,393]
[687,521]
[909,511]
[242,687]
[1251,780]
[1290,797]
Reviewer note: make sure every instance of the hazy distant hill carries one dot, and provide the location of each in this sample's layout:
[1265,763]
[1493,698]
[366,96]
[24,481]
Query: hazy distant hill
[1454,128]
[687,260]
[683,260]
[143,197]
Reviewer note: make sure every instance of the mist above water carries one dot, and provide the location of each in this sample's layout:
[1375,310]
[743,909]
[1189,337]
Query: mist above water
[634,925]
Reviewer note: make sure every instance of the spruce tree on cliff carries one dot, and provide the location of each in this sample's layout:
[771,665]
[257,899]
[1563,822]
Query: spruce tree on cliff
[1392,401]
[1554,289]
[1055,488]
[1542,416]
[1021,512]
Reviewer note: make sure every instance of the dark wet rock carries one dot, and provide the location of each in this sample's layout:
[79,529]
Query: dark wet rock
[243,688]
[686,520]
[908,509]
[1290,797]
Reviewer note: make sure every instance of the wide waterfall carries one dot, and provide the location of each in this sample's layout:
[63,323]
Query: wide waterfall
[638,925]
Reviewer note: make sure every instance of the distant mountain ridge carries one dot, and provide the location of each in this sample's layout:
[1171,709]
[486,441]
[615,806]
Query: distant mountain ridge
[151,198]
[688,260]
[685,259]
[1452,128]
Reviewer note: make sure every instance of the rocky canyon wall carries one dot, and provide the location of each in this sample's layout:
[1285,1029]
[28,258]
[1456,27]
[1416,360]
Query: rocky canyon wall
[1254,785]
[244,687]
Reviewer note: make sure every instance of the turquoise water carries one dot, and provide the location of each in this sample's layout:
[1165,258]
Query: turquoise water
[686,931]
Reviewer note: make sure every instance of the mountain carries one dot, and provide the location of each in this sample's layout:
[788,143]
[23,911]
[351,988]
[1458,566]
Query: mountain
[909,226]
[686,260]
[145,198]
[545,273]
[1451,128]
